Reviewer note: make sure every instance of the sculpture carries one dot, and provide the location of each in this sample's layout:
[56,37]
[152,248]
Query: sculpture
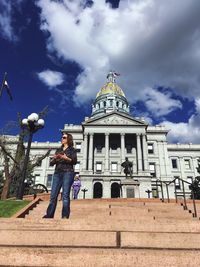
[127,165]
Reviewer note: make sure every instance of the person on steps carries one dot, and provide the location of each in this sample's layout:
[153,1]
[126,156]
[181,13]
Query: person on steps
[76,187]
[65,158]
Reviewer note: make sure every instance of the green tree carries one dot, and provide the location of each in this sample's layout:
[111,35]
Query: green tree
[13,171]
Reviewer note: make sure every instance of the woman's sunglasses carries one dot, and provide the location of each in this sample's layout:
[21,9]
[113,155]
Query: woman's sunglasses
[64,137]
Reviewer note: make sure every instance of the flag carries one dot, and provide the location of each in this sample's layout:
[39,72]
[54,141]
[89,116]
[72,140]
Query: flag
[6,86]
[116,74]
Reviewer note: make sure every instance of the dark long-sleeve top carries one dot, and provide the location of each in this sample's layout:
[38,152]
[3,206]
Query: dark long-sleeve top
[64,165]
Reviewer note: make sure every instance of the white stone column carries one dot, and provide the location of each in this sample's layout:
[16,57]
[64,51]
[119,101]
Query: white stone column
[85,150]
[145,151]
[166,160]
[106,152]
[90,165]
[139,153]
[182,168]
[122,147]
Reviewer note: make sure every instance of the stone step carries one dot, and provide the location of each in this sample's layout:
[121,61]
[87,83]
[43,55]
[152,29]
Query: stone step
[70,238]
[58,238]
[100,203]
[160,240]
[43,206]
[104,225]
[127,234]
[98,257]
[107,219]
[116,213]
[99,208]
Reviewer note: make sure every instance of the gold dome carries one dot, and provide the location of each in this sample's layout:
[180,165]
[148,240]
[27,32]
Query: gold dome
[111,88]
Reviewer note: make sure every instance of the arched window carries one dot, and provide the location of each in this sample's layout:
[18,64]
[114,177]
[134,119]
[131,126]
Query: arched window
[97,190]
[115,190]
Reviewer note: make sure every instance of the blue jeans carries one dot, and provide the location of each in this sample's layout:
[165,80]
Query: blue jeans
[75,192]
[64,180]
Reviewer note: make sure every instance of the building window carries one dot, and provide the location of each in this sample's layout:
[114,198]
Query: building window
[39,164]
[114,167]
[36,179]
[50,159]
[104,104]
[78,147]
[190,179]
[152,169]
[49,180]
[114,148]
[150,149]
[129,149]
[155,193]
[174,163]
[77,167]
[177,182]
[98,167]
[99,149]
[187,164]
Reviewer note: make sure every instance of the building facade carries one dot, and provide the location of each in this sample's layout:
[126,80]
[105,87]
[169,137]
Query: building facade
[110,135]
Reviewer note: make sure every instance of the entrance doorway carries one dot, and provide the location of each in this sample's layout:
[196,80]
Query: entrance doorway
[115,190]
[98,190]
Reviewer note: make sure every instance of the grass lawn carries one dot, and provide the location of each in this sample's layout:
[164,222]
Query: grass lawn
[10,207]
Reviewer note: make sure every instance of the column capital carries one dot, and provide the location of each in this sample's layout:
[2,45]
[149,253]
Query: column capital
[91,134]
[138,134]
[122,134]
[107,134]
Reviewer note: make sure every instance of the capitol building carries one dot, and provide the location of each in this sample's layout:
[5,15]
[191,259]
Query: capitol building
[110,135]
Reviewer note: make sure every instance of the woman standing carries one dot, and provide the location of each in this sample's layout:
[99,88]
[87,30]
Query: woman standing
[65,158]
[76,187]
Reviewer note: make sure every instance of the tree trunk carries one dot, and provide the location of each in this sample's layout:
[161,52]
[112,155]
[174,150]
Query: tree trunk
[15,172]
[6,187]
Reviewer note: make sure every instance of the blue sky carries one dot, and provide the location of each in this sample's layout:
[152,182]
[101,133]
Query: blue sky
[57,53]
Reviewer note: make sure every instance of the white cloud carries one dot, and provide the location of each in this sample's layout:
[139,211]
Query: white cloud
[51,78]
[150,42]
[185,132]
[6,19]
[159,103]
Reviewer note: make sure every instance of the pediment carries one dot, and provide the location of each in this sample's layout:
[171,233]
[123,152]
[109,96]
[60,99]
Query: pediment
[115,119]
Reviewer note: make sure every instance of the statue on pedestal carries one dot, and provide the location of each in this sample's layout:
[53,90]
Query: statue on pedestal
[128,168]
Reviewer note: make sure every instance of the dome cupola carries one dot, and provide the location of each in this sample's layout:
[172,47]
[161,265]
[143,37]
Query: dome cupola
[110,98]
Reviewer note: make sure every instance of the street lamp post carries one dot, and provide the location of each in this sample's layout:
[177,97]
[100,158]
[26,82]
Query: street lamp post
[32,124]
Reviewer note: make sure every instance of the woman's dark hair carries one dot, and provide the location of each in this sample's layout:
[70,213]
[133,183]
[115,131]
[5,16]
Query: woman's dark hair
[69,139]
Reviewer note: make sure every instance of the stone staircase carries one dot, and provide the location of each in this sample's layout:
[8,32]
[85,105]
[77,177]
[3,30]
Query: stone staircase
[104,232]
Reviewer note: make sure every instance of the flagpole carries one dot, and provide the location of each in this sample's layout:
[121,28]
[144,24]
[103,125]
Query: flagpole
[2,85]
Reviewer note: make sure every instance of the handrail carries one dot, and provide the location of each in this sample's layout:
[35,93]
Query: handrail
[176,193]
